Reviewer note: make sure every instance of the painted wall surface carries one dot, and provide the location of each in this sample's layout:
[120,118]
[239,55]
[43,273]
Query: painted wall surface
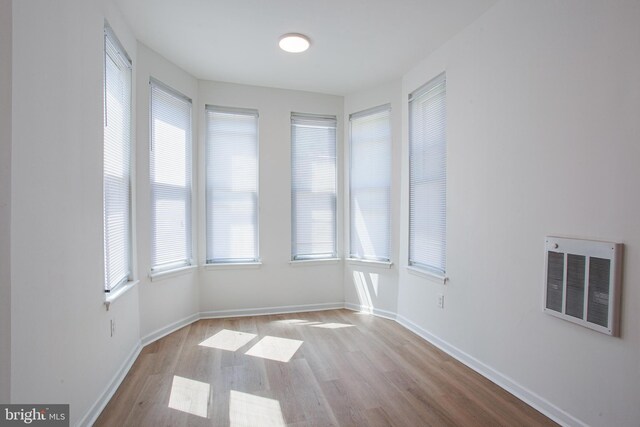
[543,130]
[169,299]
[276,282]
[61,347]
[5,200]
[542,102]
[371,286]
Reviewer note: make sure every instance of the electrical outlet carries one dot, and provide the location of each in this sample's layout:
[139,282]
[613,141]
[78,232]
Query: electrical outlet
[113,327]
[441,300]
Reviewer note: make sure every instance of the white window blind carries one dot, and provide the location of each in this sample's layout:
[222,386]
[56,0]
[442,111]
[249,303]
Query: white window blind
[232,185]
[313,186]
[170,167]
[117,163]
[428,176]
[370,184]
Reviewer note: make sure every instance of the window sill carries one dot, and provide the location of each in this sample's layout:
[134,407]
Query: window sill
[111,297]
[232,265]
[308,262]
[435,277]
[155,276]
[369,263]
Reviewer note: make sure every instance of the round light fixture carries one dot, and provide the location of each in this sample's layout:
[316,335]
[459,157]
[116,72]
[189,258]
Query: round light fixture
[294,43]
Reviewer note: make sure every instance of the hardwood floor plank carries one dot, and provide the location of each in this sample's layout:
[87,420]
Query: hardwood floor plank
[377,417]
[328,368]
[346,396]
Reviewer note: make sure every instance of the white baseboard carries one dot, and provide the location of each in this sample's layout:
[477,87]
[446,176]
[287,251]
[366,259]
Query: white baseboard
[371,310]
[92,415]
[156,335]
[270,310]
[522,393]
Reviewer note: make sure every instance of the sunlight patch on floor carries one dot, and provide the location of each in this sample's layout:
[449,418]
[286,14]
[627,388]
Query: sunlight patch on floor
[274,348]
[190,396]
[228,340]
[248,410]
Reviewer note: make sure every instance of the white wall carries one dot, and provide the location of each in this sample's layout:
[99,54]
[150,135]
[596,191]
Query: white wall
[369,286]
[542,113]
[543,100]
[5,200]
[61,347]
[170,299]
[276,283]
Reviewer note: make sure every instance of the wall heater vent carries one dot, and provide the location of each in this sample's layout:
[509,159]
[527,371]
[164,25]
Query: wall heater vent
[583,282]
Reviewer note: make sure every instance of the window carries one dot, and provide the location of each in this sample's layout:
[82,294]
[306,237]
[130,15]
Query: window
[313,187]
[232,185]
[370,184]
[428,177]
[170,167]
[117,163]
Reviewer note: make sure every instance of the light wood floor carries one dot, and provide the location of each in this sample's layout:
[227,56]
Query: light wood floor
[350,369]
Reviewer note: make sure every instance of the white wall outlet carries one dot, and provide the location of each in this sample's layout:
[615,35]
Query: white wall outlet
[441,300]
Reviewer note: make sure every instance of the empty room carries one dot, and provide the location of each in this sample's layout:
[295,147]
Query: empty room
[330,213]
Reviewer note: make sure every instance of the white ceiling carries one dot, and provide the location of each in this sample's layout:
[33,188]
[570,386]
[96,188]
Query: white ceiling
[355,44]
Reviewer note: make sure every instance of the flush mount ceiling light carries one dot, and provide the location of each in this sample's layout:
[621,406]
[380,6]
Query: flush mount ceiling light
[294,43]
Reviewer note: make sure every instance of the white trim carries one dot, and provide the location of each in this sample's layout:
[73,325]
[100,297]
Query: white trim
[159,333]
[369,262]
[370,111]
[370,310]
[532,399]
[539,403]
[154,277]
[252,112]
[94,412]
[434,277]
[263,311]
[306,262]
[232,265]
[111,297]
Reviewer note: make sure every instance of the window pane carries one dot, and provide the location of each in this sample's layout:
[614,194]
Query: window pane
[370,184]
[232,185]
[313,187]
[427,181]
[117,164]
[170,166]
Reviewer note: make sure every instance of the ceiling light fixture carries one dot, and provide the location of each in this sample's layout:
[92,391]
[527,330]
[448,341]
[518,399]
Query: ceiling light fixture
[294,43]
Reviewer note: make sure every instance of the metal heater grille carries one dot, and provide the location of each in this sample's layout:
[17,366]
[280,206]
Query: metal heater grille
[582,282]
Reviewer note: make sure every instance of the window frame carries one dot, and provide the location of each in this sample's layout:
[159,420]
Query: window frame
[115,52]
[177,265]
[212,263]
[385,108]
[414,266]
[333,255]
